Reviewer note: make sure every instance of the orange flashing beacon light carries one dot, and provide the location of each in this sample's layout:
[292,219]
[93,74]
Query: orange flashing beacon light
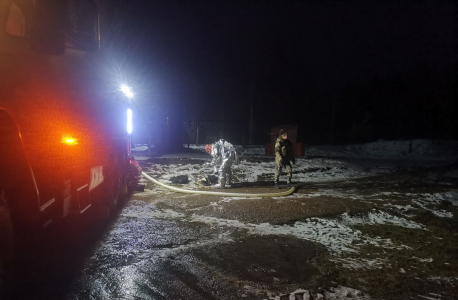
[69,140]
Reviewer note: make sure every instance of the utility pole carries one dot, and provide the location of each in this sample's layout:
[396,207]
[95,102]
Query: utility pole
[197,135]
[250,139]
[250,142]
[332,118]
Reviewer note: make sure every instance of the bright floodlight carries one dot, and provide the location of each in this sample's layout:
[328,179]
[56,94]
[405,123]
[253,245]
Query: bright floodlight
[126,90]
[129,121]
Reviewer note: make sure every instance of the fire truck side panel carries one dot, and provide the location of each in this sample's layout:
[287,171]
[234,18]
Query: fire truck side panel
[67,135]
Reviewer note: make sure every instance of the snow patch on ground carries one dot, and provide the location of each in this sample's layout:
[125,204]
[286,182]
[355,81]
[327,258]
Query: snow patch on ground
[333,293]
[430,201]
[440,213]
[361,263]
[138,211]
[415,149]
[342,292]
[402,209]
[347,194]
[338,238]
[450,280]
[379,217]
[311,170]
[229,199]
[429,260]
[451,197]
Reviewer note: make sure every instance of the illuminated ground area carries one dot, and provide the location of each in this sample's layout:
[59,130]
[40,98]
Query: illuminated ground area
[366,229]
[389,236]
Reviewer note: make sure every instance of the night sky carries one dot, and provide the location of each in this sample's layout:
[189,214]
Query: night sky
[343,71]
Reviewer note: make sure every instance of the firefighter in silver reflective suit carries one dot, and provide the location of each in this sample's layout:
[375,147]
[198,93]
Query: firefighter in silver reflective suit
[217,159]
[224,154]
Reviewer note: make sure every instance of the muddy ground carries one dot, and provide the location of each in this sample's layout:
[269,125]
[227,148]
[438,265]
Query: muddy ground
[388,236]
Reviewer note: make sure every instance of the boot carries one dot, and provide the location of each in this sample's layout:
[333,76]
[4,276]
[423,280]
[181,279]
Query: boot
[221,184]
[277,187]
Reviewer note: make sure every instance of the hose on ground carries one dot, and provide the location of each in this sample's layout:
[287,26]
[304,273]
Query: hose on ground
[186,191]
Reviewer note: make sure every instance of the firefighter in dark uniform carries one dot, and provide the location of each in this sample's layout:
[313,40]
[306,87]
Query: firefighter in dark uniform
[284,154]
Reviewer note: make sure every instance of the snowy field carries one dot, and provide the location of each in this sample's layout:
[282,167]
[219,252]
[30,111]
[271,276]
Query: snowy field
[345,236]
[323,163]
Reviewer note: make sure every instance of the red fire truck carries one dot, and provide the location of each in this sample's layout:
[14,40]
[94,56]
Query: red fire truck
[63,142]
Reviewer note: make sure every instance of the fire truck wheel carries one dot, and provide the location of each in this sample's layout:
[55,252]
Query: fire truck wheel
[6,238]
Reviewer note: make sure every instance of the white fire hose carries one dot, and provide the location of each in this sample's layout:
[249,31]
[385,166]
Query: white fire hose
[186,191]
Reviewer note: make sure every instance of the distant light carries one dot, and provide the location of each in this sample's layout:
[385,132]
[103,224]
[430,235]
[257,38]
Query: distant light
[129,121]
[69,140]
[127,91]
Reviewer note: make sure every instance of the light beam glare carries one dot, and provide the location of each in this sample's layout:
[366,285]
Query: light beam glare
[129,121]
